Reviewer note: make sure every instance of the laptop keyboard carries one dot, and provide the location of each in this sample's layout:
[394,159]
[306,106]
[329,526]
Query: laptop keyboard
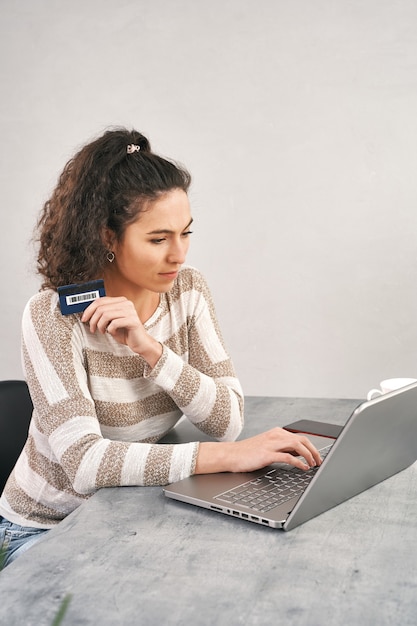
[270,490]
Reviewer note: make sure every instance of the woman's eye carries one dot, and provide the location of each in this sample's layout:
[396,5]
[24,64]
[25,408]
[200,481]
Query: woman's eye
[162,239]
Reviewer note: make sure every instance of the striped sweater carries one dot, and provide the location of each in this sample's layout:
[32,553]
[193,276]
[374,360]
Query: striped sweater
[99,409]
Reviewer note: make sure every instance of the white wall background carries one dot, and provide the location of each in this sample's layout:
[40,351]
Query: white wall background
[298,121]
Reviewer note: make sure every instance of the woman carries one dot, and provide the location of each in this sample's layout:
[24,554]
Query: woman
[107,383]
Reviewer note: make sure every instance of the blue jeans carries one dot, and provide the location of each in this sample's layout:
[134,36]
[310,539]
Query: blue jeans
[15,539]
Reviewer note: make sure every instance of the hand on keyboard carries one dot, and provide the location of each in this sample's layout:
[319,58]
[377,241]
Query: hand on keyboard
[274,446]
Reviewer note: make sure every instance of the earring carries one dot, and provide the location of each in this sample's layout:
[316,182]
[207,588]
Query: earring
[110,256]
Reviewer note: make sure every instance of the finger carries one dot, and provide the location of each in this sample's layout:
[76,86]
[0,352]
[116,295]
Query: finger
[113,319]
[312,456]
[104,314]
[88,312]
[313,450]
[300,449]
[100,303]
[295,461]
[303,445]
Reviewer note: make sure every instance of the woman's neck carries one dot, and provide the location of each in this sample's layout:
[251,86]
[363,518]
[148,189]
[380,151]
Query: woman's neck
[146,302]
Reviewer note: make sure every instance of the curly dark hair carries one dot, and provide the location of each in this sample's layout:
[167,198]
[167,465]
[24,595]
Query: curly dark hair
[102,186]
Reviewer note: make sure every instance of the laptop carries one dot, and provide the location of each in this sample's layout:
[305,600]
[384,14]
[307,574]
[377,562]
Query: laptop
[378,440]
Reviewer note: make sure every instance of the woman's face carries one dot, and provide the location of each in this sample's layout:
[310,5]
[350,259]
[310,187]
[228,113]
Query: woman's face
[153,248]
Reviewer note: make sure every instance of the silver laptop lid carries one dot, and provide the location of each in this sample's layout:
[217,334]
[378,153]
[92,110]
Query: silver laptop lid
[378,440]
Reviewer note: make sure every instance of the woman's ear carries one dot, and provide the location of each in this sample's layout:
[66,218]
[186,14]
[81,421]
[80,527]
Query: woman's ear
[108,238]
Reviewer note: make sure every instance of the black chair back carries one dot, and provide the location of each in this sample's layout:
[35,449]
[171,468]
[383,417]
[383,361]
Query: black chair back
[15,413]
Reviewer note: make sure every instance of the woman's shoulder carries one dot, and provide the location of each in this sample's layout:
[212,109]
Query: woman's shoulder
[190,278]
[190,283]
[190,288]
[43,307]
[44,300]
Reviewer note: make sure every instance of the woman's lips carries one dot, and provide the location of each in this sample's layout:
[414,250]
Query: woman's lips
[169,275]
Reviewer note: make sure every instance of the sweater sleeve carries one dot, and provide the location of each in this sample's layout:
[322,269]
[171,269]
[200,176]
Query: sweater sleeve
[204,386]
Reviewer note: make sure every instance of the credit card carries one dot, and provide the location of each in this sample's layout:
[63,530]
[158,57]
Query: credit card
[76,298]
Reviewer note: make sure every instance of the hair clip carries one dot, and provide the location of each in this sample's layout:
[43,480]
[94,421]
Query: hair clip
[132,147]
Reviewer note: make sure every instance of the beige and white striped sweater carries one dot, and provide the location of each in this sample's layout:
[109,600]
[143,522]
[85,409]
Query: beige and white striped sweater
[100,409]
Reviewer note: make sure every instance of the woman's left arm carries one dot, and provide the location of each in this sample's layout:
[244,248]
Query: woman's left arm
[204,384]
[214,403]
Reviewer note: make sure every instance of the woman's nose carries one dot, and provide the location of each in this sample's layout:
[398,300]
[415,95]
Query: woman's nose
[178,251]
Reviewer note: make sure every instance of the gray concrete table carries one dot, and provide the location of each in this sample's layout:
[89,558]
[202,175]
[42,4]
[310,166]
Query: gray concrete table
[131,556]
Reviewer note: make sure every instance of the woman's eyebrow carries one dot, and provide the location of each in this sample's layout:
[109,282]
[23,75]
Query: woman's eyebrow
[167,231]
